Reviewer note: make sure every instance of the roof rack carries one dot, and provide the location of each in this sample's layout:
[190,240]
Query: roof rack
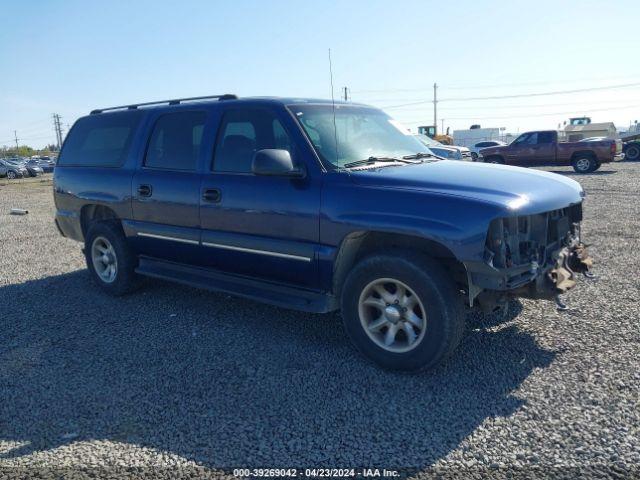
[177,101]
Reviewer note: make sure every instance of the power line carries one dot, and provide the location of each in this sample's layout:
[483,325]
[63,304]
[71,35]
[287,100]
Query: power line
[535,115]
[498,85]
[22,139]
[521,95]
[535,105]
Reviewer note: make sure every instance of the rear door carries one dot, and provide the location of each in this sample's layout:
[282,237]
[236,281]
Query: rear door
[165,189]
[265,227]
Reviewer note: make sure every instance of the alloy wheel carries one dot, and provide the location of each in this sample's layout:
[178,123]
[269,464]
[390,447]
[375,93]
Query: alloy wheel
[583,164]
[392,315]
[105,262]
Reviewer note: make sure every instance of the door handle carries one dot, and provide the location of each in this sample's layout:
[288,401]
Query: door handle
[145,190]
[212,195]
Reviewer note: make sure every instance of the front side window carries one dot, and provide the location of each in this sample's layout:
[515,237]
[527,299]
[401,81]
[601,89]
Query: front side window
[526,139]
[175,141]
[242,133]
[351,133]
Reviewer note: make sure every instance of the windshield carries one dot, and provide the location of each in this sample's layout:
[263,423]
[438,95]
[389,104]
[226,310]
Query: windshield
[362,133]
[428,141]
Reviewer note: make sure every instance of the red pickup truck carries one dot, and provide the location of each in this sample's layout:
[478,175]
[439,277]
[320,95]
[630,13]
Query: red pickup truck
[545,148]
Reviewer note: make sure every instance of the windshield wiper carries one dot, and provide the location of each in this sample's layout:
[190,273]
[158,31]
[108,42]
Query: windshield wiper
[418,155]
[371,160]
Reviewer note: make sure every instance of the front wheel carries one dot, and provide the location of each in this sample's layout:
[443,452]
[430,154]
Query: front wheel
[11,174]
[402,311]
[110,259]
[585,164]
[474,156]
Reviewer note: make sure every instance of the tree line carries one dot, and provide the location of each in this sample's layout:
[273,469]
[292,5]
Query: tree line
[26,151]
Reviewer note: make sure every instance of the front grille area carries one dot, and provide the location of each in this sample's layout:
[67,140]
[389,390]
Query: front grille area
[533,240]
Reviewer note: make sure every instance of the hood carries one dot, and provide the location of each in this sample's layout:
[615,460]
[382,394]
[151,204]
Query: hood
[518,190]
[494,149]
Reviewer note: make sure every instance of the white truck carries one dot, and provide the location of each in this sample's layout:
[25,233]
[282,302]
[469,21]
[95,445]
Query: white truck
[470,137]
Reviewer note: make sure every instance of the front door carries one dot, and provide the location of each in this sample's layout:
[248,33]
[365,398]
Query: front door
[259,226]
[519,150]
[166,189]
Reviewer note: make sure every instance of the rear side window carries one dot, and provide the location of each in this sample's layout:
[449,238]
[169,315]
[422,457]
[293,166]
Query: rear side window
[175,141]
[100,140]
[545,137]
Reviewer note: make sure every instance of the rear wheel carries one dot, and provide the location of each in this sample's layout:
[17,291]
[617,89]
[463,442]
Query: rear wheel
[110,259]
[474,156]
[402,311]
[633,152]
[585,164]
[11,174]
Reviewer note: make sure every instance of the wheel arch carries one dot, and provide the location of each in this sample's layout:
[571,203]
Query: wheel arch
[494,156]
[360,244]
[584,153]
[95,212]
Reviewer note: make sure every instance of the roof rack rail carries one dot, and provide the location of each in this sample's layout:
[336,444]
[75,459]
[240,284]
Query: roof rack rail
[177,101]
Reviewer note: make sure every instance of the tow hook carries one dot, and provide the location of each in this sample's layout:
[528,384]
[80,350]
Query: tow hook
[576,261]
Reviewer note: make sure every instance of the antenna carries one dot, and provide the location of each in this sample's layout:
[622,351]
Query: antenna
[333,106]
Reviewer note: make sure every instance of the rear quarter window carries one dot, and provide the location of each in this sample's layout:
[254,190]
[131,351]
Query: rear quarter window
[101,140]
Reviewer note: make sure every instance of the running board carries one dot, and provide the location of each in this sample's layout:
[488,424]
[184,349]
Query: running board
[281,296]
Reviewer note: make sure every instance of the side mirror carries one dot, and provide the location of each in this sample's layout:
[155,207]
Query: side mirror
[276,163]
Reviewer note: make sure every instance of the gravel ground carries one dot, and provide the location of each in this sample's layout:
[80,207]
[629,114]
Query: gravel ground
[176,381]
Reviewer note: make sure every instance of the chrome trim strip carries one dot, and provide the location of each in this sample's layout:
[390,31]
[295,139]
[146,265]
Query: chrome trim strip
[163,237]
[260,252]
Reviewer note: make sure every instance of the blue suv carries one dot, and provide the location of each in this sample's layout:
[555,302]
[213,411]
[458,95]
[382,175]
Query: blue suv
[316,206]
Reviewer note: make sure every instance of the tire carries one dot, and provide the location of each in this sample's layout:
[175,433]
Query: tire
[428,285]
[108,235]
[584,164]
[633,152]
[474,156]
[11,175]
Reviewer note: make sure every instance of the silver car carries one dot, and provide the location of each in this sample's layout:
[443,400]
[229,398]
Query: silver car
[452,152]
[12,170]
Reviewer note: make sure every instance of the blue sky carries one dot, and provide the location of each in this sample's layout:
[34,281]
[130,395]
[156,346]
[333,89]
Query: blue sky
[71,56]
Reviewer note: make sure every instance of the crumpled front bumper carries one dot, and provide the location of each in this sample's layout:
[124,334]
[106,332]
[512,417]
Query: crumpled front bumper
[529,281]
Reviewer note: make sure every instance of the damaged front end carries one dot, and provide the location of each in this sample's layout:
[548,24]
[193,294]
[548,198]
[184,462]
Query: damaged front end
[533,256]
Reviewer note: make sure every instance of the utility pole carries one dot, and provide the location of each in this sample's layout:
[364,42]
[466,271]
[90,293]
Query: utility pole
[15,136]
[345,92]
[58,129]
[435,108]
